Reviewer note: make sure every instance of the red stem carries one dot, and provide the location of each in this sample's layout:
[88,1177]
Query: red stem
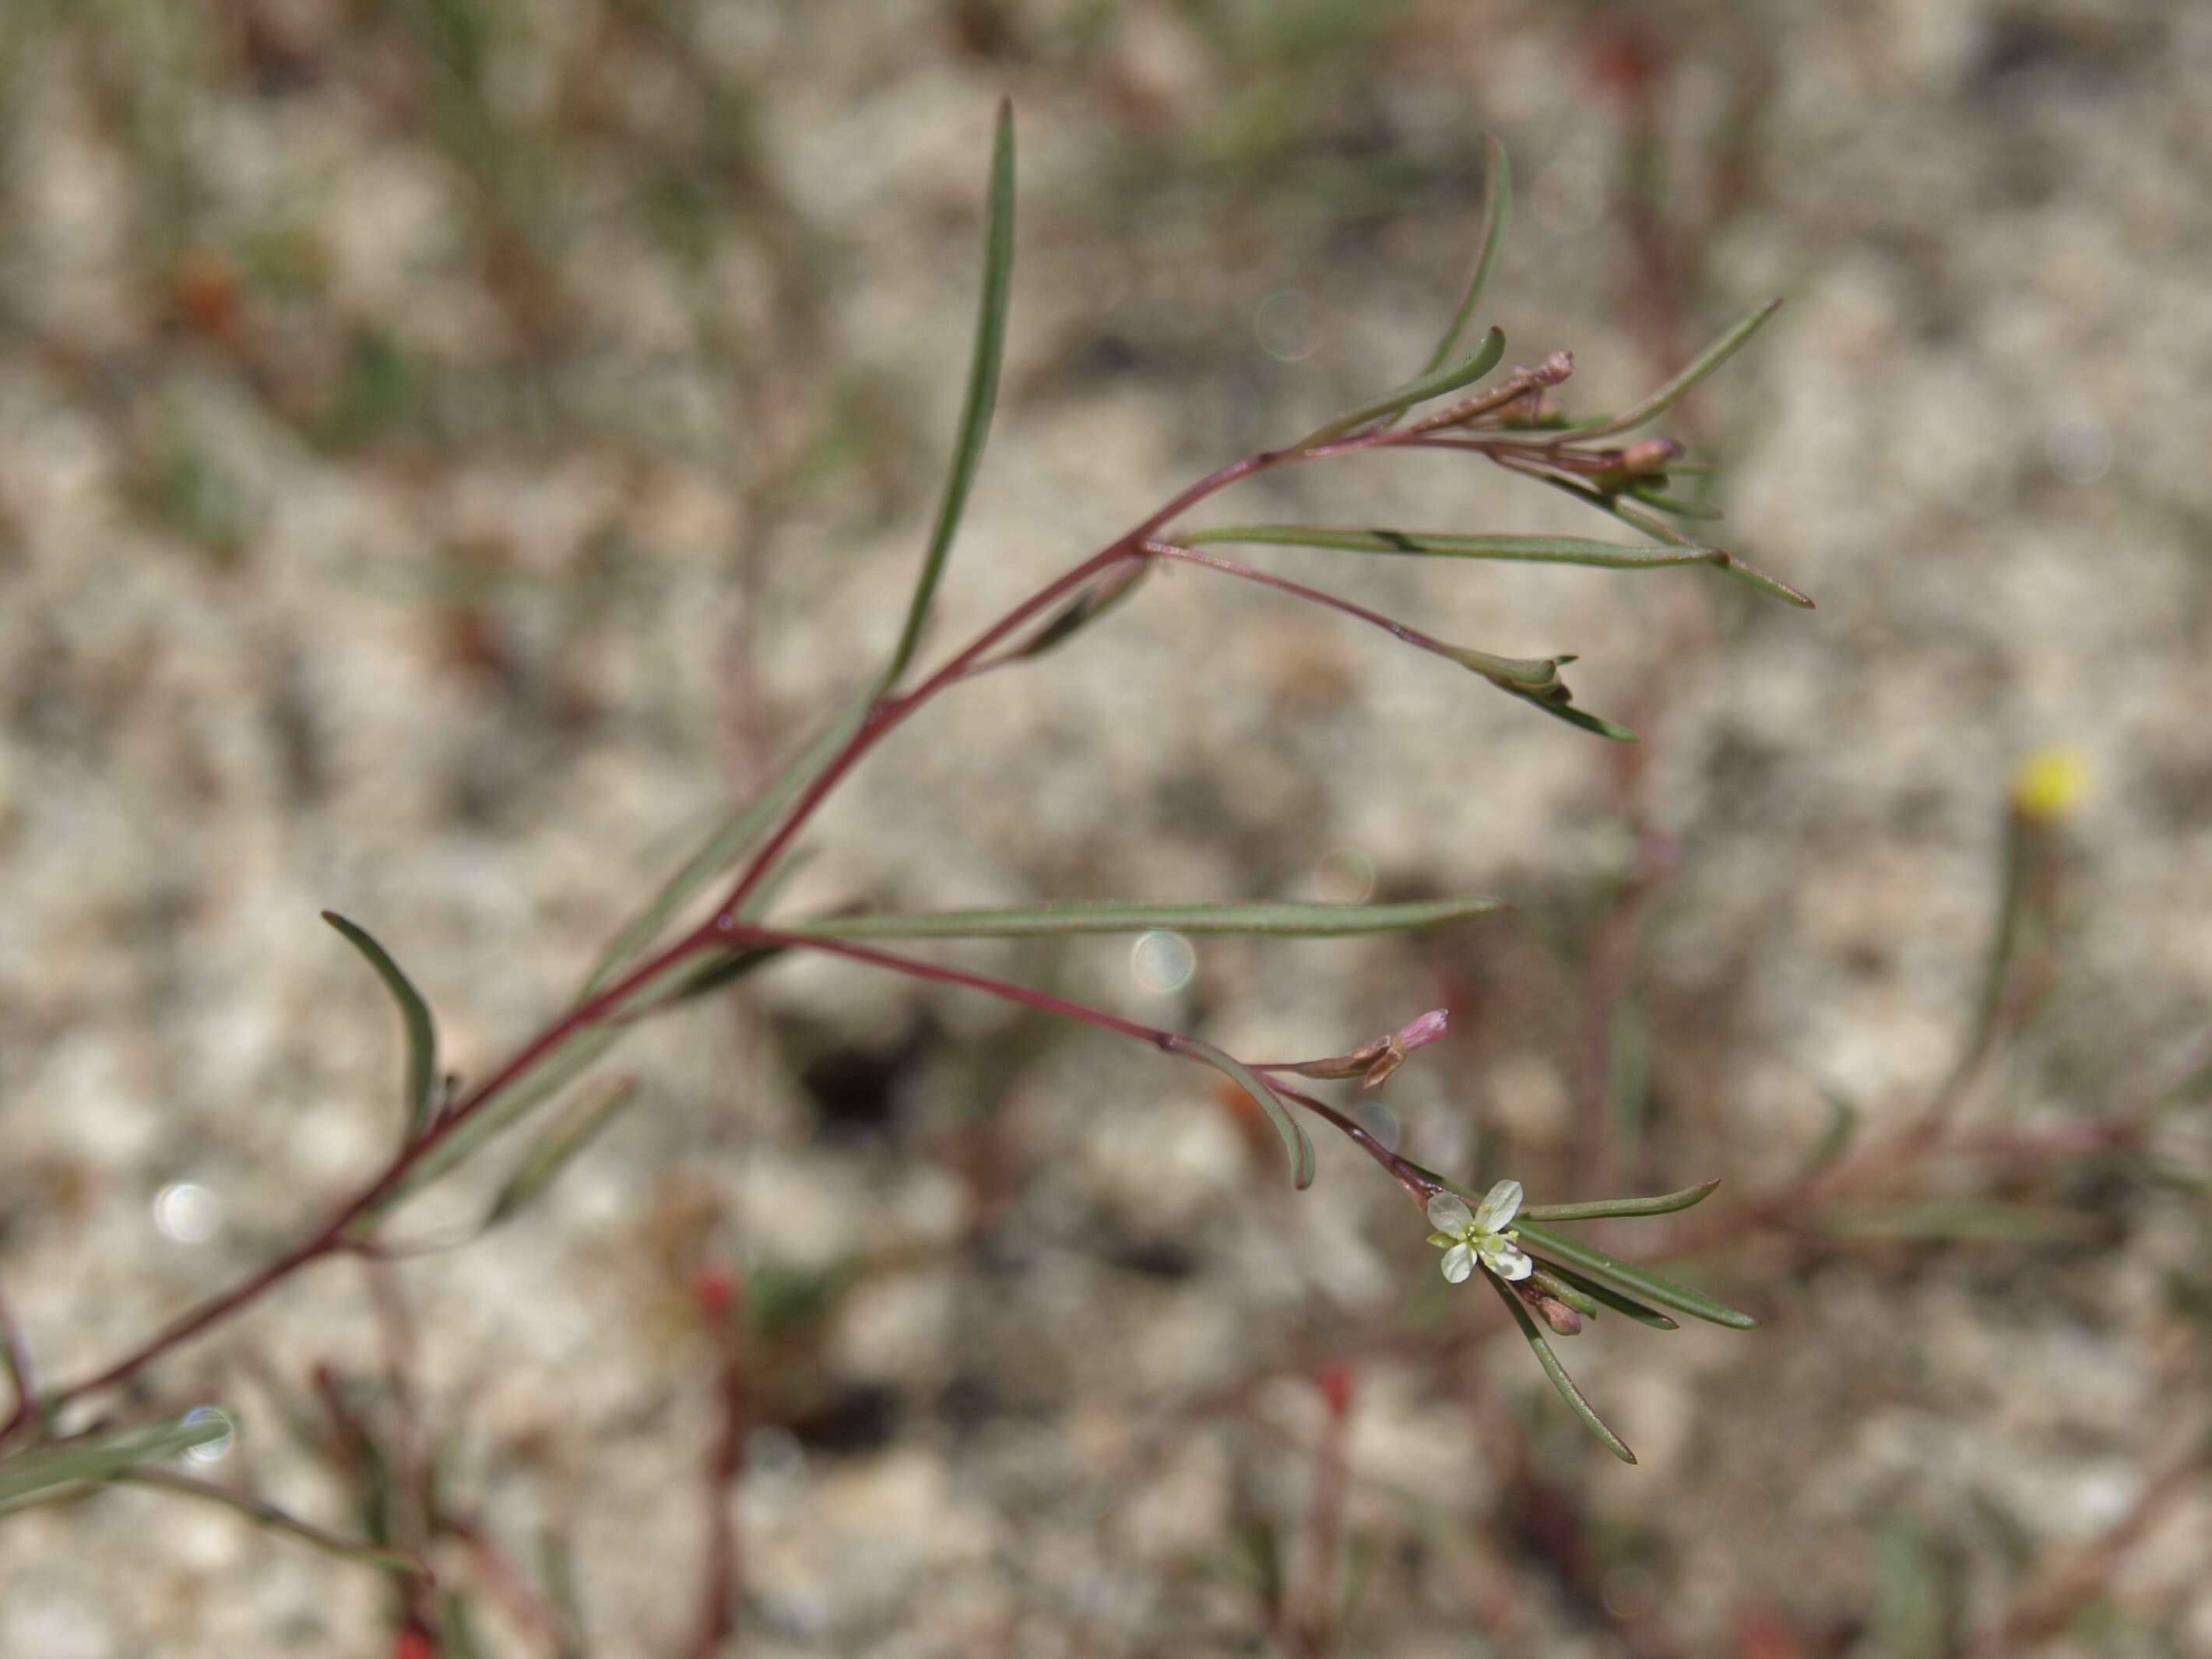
[16,1354]
[885,716]
[332,1238]
[1396,629]
[1417,1181]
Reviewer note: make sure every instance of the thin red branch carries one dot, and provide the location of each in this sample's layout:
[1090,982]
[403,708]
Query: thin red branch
[889,712]
[332,1238]
[16,1356]
[1396,629]
[722,1568]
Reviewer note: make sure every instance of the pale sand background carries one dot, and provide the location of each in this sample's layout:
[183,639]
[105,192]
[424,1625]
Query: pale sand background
[433,498]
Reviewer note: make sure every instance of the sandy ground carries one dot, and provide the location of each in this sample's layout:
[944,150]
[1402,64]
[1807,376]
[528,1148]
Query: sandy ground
[449,449]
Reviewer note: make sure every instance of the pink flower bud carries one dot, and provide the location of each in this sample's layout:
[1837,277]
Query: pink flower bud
[1429,1027]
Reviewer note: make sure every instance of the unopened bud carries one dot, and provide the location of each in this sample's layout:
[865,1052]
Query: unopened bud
[1563,1320]
[1650,459]
[1419,1034]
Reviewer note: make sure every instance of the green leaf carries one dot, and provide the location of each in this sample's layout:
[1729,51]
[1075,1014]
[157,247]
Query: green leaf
[1664,1204]
[1107,594]
[1704,363]
[1558,1372]
[49,1471]
[700,978]
[557,1147]
[1465,372]
[1529,550]
[1835,1138]
[1914,1610]
[1681,507]
[724,847]
[1639,1282]
[1606,1295]
[276,1520]
[1497,216]
[1296,1146]
[419,1103]
[1959,1220]
[1556,1286]
[1302,920]
[459,1627]
[548,1077]
[982,391]
[558,1569]
[1742,569]
[1559,708]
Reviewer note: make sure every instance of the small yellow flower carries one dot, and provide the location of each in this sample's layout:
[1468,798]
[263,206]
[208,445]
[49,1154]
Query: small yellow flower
[2048,786]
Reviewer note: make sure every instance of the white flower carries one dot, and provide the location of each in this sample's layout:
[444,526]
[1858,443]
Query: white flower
[1479,1235]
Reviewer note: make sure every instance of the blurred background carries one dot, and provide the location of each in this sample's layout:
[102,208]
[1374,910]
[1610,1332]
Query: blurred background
[449,450]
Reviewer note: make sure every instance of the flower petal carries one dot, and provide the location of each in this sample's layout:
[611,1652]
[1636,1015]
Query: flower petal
[1505,1258]
[1448,1215]
[1500,1208]
[1429,1027]
[1459,1263]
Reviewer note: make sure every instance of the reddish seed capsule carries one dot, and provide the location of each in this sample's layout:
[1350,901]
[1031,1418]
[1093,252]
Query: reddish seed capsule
[1650,459]
[1335,1380]
[713,1291]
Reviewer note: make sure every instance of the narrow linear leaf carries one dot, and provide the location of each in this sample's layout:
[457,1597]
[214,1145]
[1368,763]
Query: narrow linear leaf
[1511,673]
[1296,1146]
[1606,1295]
[460,1627]
[1704,363]
[1556,703]
[1679,506]
[33,1477]
[1976,1221]
[1465,372]
[1651,524]
[703,979]
[1835,1137]
[1528,549]
[758,903]
[419,1101]
[1558,1372]
[1496,216]
[553,1074]
[558,1147]
[558,1561]
[1101,598]
[1664,1204]
[1288,920]
[982,391]
[276,1520]
[1639,1282]
[724,847]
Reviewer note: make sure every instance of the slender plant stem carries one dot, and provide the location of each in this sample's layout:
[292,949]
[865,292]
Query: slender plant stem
[1396,629]
[937,972]
[15,1356]
[269,1515]
[1417,1184]
[885,716]
[330,1239]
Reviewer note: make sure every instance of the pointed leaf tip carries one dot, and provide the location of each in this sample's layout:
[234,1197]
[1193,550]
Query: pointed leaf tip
[1296,1145]
[981,395]
[419,1084]
[1731,341]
